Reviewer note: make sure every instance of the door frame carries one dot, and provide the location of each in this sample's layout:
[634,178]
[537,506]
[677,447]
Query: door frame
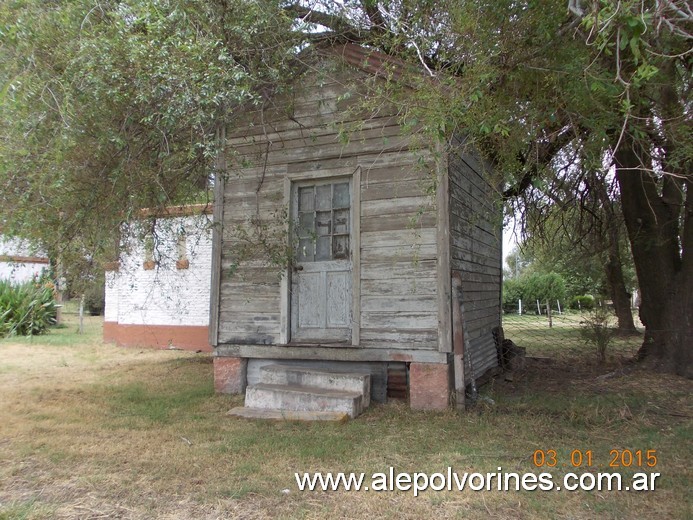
[355,245]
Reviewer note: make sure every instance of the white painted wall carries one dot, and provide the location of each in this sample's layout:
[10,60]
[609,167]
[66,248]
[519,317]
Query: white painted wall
[165,295]
[14,271]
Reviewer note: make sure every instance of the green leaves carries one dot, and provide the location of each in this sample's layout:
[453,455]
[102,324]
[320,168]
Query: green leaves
[112,107]
[26,309]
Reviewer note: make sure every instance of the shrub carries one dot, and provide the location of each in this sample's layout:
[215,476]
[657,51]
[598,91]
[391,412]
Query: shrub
[596,330]
[512,292]
[95,298]
[533,287]
[26,309]
[584,302]
[546,286]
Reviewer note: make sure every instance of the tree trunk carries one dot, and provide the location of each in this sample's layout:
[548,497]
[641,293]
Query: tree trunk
[619,294]
[660,230]
[614,266]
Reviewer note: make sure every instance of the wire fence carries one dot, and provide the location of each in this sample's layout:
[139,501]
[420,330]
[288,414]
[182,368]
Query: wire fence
[570,332]
[80,322]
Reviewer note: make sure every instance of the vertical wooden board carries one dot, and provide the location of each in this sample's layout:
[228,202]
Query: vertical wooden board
[458,341]
[217,242]
[311,294]
[285,284]
[443,250]
[356,257]
[338,299]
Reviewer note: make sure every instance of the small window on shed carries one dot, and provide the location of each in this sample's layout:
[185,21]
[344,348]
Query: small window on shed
[182,261]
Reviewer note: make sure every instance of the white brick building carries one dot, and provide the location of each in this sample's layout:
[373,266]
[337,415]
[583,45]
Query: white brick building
[19,262]
[158,293]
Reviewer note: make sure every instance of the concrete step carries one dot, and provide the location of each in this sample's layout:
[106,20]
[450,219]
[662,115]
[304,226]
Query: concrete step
[287,415]
[303,399]
[277,374]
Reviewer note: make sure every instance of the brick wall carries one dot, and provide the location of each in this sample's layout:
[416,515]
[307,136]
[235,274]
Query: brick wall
[15,260]
[170,291]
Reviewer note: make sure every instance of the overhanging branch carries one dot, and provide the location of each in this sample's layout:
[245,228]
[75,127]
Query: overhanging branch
[338,26]
[541,156]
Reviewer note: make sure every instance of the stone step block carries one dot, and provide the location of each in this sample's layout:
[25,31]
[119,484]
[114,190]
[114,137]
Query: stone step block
[359,382]
[287,415]
[303,399]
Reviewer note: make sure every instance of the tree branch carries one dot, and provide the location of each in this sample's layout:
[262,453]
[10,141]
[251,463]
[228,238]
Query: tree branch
[338,25]
[545,152]
[378,25]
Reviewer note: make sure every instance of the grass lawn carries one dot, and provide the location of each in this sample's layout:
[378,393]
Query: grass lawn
[94,431]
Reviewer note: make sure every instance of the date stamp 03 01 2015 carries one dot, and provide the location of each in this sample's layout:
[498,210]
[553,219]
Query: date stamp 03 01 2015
[618,458]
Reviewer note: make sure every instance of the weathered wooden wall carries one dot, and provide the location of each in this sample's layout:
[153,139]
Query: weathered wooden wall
[300,137]
[475,248]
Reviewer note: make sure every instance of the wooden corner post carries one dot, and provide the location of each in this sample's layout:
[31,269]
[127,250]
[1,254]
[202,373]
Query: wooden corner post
[458,341]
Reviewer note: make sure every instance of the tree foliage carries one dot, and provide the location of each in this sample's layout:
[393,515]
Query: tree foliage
[534,287]
[109,107]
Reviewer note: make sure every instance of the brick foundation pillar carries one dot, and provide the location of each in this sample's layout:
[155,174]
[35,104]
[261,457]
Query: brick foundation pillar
[230,375]
[429,386]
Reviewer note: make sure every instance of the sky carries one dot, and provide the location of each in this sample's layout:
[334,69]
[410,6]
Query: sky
[510,238]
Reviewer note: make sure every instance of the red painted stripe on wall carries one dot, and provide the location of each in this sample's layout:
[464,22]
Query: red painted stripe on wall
[186,337]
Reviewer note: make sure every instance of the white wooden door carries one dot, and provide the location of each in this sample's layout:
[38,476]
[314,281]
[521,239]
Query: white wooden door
[321,292]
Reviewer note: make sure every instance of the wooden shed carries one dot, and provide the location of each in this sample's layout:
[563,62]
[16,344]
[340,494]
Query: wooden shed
[386,236]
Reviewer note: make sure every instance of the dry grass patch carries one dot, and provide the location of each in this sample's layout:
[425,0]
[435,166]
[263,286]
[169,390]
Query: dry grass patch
[94,431]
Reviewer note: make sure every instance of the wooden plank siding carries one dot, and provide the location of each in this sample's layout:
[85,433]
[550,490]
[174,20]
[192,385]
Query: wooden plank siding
[297,139]
[475,253]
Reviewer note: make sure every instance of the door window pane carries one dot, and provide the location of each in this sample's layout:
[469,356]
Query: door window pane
[340,247]
[305,198]
[322,250]
[323,197]
[323,223]
[305,224]
[305,250]
[341,221]
[340,198]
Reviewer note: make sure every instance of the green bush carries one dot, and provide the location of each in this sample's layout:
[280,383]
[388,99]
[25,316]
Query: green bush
[26,309]
[544,286]
[95,298]
[512,292]
[584,302]
[596,330]
[533,287]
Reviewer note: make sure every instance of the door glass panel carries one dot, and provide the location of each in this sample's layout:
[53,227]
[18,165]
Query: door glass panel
[322,250]
[341,221]
[305,224]
[340,198]
[305,198]
[323,224]
[305,250]
[323,197]
[340,247]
